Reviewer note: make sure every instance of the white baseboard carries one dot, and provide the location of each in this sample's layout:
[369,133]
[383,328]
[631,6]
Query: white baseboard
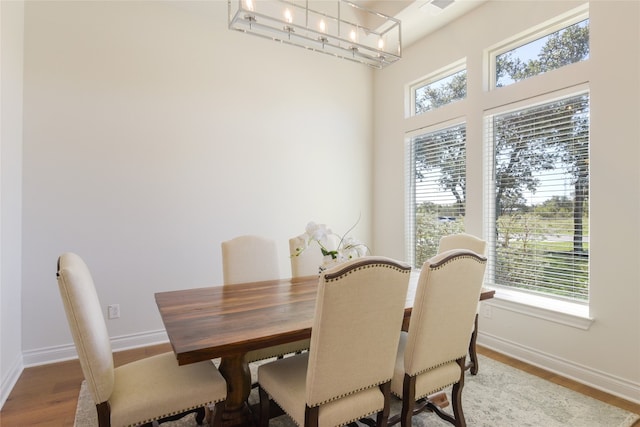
[611,384]
[45,356]
[10,379]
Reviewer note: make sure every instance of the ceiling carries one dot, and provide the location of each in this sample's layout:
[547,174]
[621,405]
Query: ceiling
[421,17]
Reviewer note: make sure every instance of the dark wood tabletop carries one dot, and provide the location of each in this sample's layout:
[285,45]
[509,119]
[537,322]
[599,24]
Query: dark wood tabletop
[207,323]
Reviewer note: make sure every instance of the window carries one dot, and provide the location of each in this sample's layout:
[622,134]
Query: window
[439,90]
[437,183]
[565,46]
[535,184]
[539,192]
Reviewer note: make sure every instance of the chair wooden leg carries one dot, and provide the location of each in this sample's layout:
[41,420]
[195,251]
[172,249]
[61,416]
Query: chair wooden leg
[200,414]
[456,397]
[382,419]
[408,400]
[265,406]
[473,355]
[104,414]
[311,416]
[434,403]
[457,419]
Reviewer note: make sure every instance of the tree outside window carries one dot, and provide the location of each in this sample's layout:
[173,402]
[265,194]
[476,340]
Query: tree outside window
[541,178]
[439,171]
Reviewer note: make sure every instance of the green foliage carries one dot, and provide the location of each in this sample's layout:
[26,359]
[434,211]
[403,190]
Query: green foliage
[555,207]
[433,222]
[561,48]
[444,153]
[441,92]
[534,253]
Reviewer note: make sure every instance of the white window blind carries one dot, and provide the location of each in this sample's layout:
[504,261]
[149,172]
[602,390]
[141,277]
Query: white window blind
[437,186]
[538,193]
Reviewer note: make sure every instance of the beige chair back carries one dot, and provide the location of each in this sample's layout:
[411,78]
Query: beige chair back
[444,309]
[462,241]
[306,263]
[309,261]
[84,314]
[356,329]
[249,259]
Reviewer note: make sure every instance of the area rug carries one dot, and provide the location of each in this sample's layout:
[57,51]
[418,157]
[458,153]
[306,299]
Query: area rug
[499,396]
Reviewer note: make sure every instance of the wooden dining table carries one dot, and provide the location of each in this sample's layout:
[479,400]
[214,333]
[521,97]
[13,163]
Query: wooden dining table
[227,321]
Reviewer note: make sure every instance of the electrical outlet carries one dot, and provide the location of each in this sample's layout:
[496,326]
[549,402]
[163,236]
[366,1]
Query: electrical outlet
[113,311]
[486,311]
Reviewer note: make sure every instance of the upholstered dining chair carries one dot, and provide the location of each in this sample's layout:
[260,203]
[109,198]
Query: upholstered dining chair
[345,375]
[431,355]
[139,392]
[306,263]
[251,258]
[462,241]
[477,245]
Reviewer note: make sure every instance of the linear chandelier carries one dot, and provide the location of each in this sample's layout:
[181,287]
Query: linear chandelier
[340,27]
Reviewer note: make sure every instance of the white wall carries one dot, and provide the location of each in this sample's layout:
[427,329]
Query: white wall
[607,354]
[11,24]
[153,133]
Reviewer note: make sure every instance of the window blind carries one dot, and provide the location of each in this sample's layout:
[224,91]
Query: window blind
[437,189]
[537,198]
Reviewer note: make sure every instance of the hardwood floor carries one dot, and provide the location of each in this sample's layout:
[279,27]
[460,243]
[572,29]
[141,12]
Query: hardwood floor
[47,395]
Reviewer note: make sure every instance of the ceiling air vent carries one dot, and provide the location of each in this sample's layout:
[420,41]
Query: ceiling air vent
[441,3]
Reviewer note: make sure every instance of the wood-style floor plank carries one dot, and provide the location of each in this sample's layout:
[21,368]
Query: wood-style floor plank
[46,396]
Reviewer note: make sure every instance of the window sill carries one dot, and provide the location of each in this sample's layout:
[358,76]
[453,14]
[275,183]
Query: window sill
[567,313]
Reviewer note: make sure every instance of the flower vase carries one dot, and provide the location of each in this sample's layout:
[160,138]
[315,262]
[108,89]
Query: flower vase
[328,262]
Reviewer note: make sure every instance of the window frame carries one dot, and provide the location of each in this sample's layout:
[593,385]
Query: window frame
[560,22]
[442,73]
[545,306]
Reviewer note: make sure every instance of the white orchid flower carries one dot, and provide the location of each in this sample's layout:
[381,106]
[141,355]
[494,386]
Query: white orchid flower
[317,232]
[348,248]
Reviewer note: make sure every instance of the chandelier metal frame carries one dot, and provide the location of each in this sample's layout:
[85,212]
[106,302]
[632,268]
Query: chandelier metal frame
[340,28]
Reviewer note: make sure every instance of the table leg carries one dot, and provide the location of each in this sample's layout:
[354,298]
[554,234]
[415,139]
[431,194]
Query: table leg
[235,371]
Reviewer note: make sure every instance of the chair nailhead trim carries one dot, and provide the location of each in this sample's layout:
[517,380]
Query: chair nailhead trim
[438,365]
[452,258]
[288,414]
[277,355]
[174,413]
[348,394]
[331,400]
[343,424]
[359,418]
[429,392]
[339,274]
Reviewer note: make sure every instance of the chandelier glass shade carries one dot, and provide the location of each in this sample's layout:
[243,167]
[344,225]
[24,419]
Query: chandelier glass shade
[339,27]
